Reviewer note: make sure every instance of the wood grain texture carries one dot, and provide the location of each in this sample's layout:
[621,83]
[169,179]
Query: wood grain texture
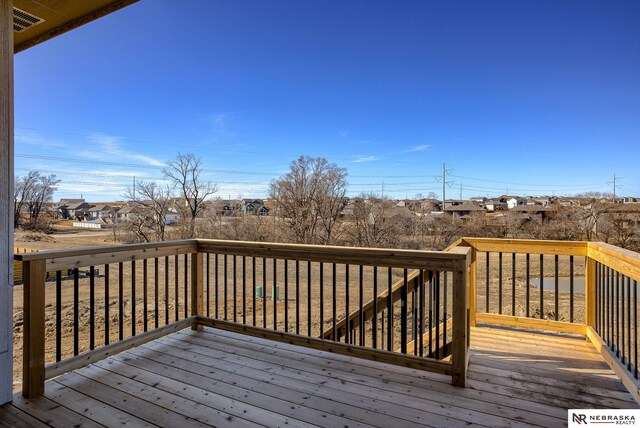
[524,246]
[624,261]
[33,339]
[531,323]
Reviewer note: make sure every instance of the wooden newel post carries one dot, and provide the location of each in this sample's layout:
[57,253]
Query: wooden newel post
[460,351]
[197,287]
[34,273]
[590,292]
[472,288]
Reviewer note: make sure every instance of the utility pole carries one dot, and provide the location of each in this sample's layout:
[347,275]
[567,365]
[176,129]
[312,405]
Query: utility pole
[445,183]
[615,186]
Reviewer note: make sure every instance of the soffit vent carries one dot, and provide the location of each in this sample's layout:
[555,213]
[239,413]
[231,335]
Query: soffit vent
[24,20]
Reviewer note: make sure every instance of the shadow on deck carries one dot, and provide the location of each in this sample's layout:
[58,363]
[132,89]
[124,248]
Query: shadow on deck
[220,378]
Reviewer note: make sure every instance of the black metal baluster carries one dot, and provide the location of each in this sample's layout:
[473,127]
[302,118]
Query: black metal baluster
[557,286]
[608,298]
[321,300]
[422,301]
[499,284]
[571,289]
[216,283]
[224,290]
[437,312]
[598,296]
[186,285]
[156,285]
[92,308]
[414,316]
[617,325]
[76,313]
[374,319]
[120,301]
[107,320]
[487,282]
[541,286]
[274,294]
[513,284]
[176,279]
[58,315]
[235,288]
[403,313]
[361,303]
[244,289]
[334,304]
[264,292]
[166,290]
[390,311]
[444,318]
[635,327]
[208,284]
[253,284]
[528,280]
[382,318]
[298,296]
[144,294]
[308,298]
[133,298]
[629,324]
[622,348]
[286,295]
[347,326]
[431,290]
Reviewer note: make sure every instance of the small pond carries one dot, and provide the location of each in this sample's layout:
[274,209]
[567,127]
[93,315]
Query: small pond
[549,283]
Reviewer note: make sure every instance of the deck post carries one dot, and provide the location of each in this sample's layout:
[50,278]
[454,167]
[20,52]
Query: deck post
[472,288]
[197,287]
[6,200]
[460,345]
[34,274]
[590,292]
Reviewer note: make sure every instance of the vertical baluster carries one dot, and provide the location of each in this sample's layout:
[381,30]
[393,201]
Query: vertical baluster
[144,295]
[253,285]
[321,300]
[556,286]
[382,318]
[403,313]
[390,310]
[156,291]
[414,316]
[264,292]
[216,284]
[437,312]
[224,290]
[513,284]
[166,289]
[431,292]
[361,304]
[487,281]
[235,288]
[608,298]
[541,286]
[58,315]
[598,297]
[120,301]
[528,285]
[298,296]
[617,324]
[374,319]
[133,298]
[422,308]
[286,295]
[186,285]
[499,283]
[347,326]
[107,320]
[176,280]
[92,308]
[244,289]
[622,347]
[274,295]
[308,298]
[635,327]
[208,263]
[334,308]
[76,298]
[444,318]
[571,289]
[629,324]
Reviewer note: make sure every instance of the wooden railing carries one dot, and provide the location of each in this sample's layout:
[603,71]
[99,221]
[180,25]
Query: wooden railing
[105,300]
[590,289]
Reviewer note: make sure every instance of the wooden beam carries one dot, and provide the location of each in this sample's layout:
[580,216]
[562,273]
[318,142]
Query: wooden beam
[590,292]
[531,246]
[460,334]
[420,363]
[86,358]
[624,261]
[531,323]
[197,288]
[631,383]
[33,339]
[6,200]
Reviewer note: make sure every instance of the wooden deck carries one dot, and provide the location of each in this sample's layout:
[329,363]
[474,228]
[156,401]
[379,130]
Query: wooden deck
[218,378]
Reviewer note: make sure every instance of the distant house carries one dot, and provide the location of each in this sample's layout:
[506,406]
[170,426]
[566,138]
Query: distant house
[68,208]
[106,213]
[531,212]
[464,209]
[253,207]
[478,199]
[227,207]
[630,200]
[493,205]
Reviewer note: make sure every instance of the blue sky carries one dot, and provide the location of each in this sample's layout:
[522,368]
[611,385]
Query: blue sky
[528,97]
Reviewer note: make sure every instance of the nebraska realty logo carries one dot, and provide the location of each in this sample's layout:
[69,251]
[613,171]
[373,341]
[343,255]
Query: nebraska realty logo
[582,417]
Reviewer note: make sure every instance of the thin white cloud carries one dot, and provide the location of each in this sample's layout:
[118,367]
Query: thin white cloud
[112,146]
[36,140]
[420,148]
[362,159]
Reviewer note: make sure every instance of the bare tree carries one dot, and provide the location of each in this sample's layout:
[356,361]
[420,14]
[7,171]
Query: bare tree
[374,222]
[185,172]
[151,203]
[309,199]
[32,192]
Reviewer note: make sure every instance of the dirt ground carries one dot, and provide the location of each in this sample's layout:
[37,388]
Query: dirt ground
[173,294]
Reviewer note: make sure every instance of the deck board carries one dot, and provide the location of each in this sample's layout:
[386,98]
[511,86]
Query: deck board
[220,378]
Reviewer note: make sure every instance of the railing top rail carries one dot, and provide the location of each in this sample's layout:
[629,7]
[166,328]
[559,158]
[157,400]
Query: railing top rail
[384,257]
[531,246]
[626,262]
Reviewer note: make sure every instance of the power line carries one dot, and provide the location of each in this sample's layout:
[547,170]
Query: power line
[615,186]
